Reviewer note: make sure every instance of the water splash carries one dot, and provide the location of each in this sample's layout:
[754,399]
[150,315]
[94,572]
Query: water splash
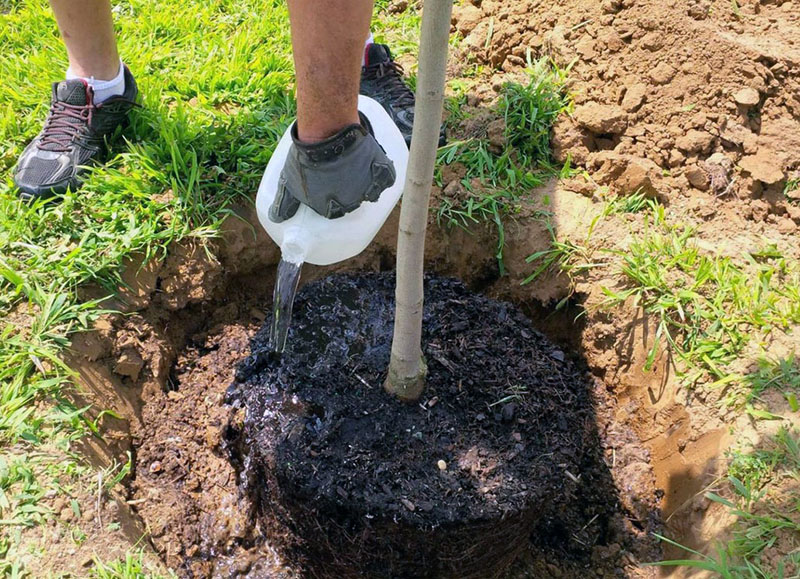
[282,302]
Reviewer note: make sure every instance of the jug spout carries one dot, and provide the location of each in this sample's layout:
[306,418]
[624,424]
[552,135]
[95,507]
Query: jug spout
[295,246]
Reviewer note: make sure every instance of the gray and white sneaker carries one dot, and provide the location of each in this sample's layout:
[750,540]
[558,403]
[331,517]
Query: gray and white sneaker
[75,135]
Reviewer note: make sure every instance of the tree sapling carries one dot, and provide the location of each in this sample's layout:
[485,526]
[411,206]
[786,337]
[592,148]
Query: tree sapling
[407,368]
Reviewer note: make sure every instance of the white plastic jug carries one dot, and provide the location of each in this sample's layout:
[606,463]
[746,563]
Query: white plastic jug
[310,237]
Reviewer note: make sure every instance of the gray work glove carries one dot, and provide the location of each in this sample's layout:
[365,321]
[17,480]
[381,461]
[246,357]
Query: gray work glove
[335,176]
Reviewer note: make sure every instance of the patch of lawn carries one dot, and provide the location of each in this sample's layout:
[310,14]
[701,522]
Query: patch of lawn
[504,178]
[401,27]
[633,203]
[20,492]
[782,374]
[530,110]
[215,101]
[215,88]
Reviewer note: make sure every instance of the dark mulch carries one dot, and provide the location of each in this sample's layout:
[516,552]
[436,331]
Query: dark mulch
[356,475]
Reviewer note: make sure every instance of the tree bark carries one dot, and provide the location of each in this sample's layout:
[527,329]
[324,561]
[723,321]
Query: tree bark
[407,369]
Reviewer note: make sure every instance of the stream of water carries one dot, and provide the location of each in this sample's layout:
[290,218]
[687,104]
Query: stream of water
[282,302]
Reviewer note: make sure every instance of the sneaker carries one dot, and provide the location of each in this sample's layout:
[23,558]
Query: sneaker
[74,136]
[382,80]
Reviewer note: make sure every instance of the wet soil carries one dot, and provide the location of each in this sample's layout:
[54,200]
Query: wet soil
[209,519]
[358,474]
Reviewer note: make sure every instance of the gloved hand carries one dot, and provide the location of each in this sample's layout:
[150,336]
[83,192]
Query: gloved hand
[335,176]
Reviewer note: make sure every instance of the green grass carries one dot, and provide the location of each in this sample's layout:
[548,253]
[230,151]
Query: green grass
[505,178]
[214,80]
[132,567]
[721,565]
[634,203]
[707,308]
[20,491]
[791,186]
[571,258]
[402,29]
[180,142]
[736,9]
[530,111]
[761,492]
[782,374]
[27,474]
[564,257]
[712,311]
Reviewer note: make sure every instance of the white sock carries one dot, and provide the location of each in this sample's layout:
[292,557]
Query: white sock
[103,89]
[370,40]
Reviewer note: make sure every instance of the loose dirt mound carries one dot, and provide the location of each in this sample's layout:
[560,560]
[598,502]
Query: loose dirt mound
[669,96]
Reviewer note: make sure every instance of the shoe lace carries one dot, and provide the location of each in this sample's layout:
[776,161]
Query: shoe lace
[391,75]
[64,123]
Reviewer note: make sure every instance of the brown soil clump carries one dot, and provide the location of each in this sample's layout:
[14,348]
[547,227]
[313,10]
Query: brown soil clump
[660,88]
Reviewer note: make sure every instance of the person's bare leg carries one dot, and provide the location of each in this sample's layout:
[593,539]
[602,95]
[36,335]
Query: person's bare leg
[328,42]
[88,32]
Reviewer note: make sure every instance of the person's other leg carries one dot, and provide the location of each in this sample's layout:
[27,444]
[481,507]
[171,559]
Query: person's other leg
[383,80]
[86,108]
[328,42]
[88,33]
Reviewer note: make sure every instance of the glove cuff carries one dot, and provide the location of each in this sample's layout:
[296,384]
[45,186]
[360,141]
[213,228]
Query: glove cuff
[332,147]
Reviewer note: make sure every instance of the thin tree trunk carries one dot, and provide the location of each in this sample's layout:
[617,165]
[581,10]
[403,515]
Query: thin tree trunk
[407,369]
